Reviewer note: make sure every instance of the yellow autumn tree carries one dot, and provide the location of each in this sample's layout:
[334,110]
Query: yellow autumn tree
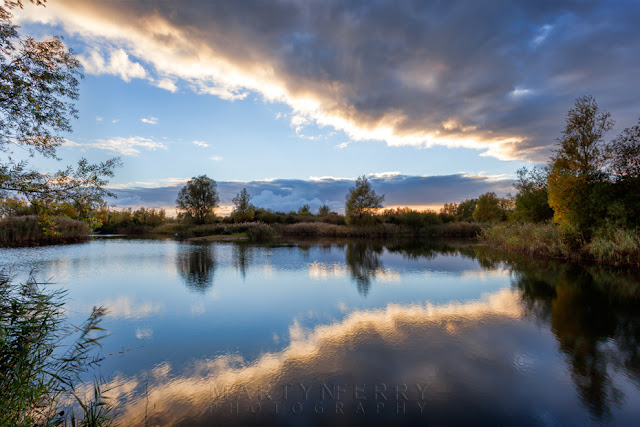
[577,180]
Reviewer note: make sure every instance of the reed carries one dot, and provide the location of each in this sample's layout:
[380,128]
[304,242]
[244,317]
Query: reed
[38,374]
[35,230]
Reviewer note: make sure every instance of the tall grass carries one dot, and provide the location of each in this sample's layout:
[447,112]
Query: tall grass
[533,239]
[610,244]
[615,245]
[35,230]
[37,374]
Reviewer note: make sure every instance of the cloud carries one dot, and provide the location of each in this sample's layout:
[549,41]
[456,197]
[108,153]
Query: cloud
[201,144]
[424,64]
[120,145]
[149,120]
[124,307]
[166,84]
[99,119]
[216,158]
[117,64]
[290,194]
[326,352]
[381,70]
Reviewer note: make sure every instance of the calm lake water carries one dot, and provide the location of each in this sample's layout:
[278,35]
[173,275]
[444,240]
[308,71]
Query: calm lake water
[347,332]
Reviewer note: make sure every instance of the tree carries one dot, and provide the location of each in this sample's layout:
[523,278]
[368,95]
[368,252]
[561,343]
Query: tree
[489,209]
[532,200]
[198,198]
[305,210]
[324,210]
[361,202]
[244,210]
[466,209]
[577,181]
[625,167]
[38,84]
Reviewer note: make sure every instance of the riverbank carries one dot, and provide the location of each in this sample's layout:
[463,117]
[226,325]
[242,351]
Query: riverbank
[608,245]
[34,230]
[257,231]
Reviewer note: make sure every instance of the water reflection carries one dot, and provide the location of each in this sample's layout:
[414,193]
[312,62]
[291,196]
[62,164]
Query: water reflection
[550,343]
[497,357]
[196,264]
[593,313]
[242,257]
[363,261]
[401,362]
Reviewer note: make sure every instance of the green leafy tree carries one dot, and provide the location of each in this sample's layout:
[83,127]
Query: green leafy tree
[578,190]
[532,199]
[489,208]
[38,87]
[362,202]
[198,198]
[465,210]
[244,211]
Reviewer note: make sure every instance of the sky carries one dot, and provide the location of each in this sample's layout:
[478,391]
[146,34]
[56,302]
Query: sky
[434,101]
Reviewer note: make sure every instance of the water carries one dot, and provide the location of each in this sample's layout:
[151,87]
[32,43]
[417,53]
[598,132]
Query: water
[315,333]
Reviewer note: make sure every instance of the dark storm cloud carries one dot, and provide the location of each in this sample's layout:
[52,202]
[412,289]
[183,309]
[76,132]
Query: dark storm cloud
[495,75]
[289,194]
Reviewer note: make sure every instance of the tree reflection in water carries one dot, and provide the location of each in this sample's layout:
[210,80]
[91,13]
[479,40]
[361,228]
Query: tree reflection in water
[593,313]
[196,264]
[242,256]
[363,261]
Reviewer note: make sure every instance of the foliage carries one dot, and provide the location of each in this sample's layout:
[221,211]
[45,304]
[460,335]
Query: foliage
[324,210]
[362,202]
[38,87]
[128,221]
[304,210]
[577,182]
[413,219]
[244,211]
[36,373]
[532,200]
[198,198]
[625,167]
[489,208]
[14,206]
[462,211]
